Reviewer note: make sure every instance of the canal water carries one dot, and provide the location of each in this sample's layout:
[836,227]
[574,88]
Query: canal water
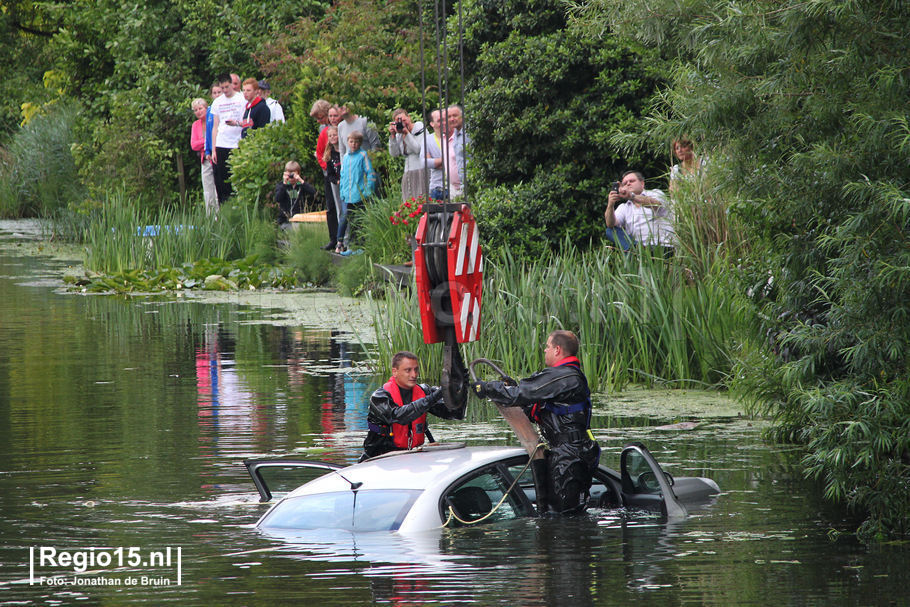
[124,423]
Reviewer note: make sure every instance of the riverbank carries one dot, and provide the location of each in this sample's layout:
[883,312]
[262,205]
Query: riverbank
[300,307]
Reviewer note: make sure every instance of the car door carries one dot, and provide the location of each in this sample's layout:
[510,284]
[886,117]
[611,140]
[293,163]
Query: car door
[645,484]
[494,493]
[279,476]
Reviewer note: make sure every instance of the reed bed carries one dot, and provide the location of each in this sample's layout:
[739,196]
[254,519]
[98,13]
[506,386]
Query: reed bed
[640,319]
[126,234]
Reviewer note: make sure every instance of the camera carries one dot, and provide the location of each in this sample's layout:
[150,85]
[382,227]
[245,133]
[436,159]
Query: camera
[615,187]
[399,126]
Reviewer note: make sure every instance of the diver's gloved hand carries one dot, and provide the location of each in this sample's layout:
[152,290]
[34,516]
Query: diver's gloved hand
[480,389]
[434,396]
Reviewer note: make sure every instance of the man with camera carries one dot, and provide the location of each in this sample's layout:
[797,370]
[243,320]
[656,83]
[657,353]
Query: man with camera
[406,139]
[642,216]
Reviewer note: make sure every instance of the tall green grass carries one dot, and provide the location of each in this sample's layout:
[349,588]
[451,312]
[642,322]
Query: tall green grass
[37,172]
[639,319]
[114,238]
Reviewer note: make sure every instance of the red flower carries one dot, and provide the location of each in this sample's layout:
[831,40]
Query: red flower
[407,204]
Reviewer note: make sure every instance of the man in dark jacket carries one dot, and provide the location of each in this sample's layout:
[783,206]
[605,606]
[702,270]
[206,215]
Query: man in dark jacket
[257,113]
[398,410]
[558,400]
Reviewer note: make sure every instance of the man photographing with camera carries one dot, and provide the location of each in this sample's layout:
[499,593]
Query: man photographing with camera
[406,139]
[642,216]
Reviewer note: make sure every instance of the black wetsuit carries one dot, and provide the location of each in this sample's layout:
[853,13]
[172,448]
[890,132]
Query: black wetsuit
[557,399]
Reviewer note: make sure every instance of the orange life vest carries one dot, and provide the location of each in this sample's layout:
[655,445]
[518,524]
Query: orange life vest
[407,436]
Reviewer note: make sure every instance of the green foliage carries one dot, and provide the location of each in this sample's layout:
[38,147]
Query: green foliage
[305,255]
[365,53]
[543,100]
[136,147]
[804,113]
[37,171]
[24,33]
[258,162]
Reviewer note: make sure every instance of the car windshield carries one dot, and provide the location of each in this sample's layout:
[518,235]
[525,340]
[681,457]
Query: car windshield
[379,510]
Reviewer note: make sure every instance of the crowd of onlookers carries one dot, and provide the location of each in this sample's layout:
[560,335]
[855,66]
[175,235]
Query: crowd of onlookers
[434,157]
[434,164]
[236,107]
[434,161]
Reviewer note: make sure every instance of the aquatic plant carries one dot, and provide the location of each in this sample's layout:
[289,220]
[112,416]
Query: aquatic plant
[639,318]
[123,235]
[205,274]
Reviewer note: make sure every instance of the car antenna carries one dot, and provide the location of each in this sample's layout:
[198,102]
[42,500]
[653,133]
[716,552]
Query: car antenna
[354,486]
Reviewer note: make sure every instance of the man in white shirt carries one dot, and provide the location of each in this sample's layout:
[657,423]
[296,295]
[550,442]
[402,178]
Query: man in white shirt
[228,112]
[351,122]
[274,107]
[644,216]
[458,139]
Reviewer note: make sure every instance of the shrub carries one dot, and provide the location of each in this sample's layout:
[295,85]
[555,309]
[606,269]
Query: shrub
[305,255]
[258,162]
[543,100]
[37,171]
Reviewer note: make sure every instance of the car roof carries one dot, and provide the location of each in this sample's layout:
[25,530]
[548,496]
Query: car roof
[409,469]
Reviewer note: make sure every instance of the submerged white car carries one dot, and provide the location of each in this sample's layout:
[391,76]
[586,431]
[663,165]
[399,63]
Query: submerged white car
[450,484]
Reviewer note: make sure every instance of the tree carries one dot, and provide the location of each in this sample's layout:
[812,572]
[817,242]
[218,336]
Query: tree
[543,99]
[137,67]
[804,107]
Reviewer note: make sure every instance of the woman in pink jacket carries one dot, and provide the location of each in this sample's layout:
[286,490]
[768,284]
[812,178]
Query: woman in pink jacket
[199,143]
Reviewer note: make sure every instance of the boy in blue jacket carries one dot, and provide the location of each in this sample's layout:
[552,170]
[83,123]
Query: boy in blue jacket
[357,182]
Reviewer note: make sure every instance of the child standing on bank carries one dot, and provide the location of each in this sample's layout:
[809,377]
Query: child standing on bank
[357,183]
[332,159]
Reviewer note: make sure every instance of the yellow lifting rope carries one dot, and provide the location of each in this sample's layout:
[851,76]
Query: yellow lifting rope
[452,514]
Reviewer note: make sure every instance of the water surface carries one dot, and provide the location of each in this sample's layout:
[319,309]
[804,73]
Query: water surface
[124,423]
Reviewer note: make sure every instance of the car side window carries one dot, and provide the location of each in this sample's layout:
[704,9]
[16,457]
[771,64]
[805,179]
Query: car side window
[526,481]
[474,498]
[637,475]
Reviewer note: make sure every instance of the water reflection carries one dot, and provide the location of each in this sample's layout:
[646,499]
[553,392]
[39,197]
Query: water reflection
[234,417]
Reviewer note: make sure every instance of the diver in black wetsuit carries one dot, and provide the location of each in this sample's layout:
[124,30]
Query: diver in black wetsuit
[558,400]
